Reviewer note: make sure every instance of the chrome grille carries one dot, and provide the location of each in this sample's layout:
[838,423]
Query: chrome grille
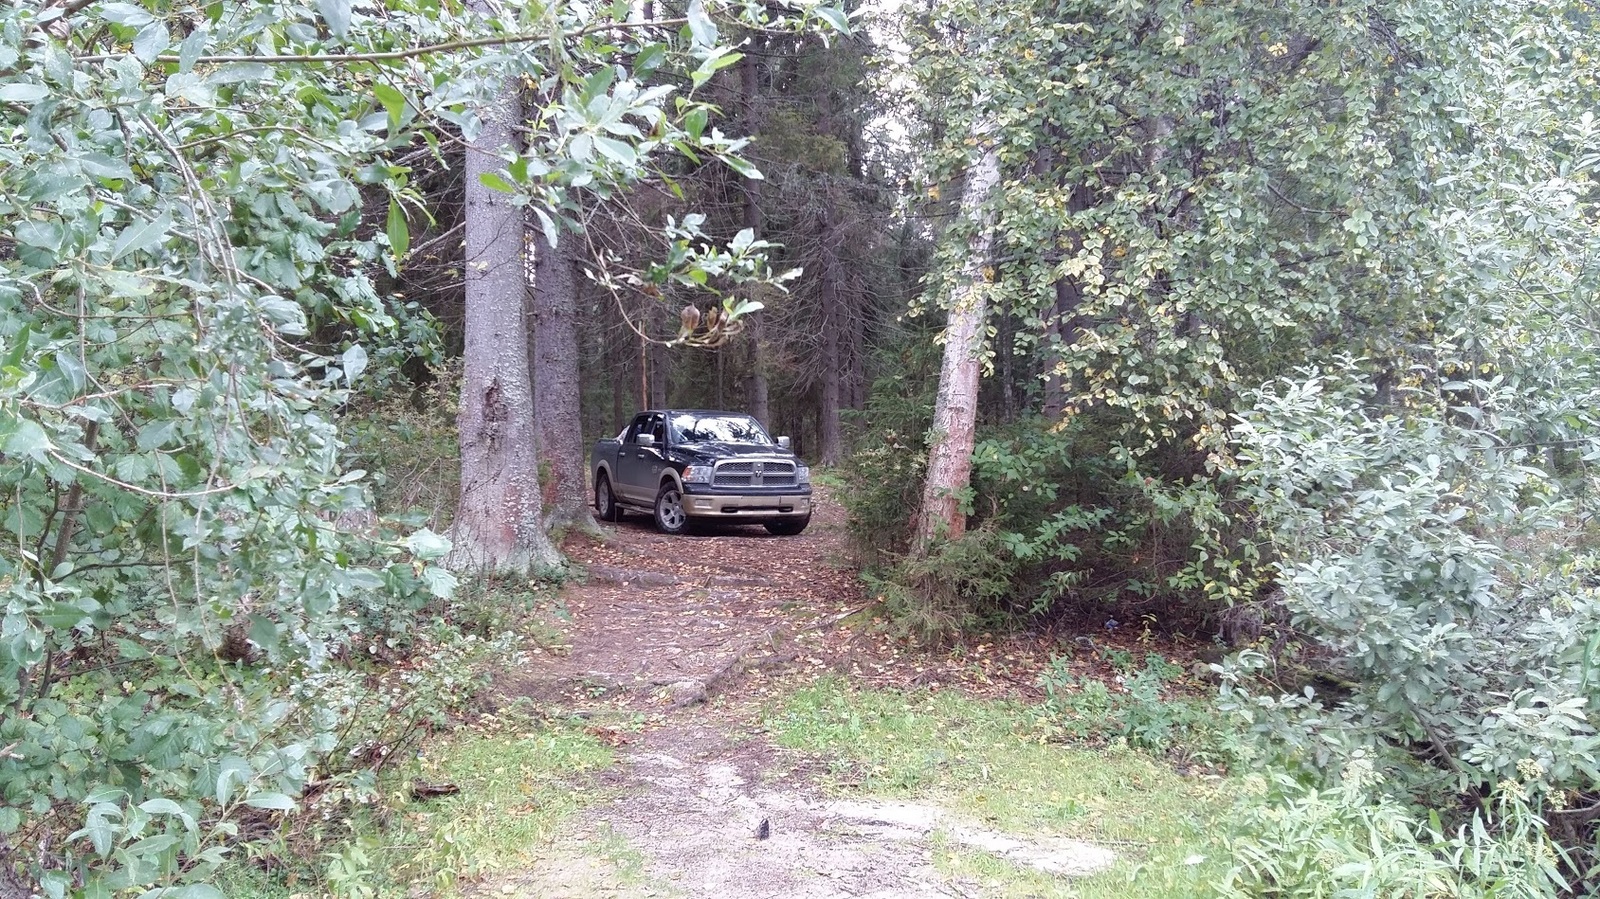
[755,473]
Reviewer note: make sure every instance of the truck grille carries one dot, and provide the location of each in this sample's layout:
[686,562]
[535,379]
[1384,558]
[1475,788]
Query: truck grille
[761,473]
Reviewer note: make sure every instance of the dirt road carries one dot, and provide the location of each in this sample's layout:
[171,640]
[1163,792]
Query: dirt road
[672,634]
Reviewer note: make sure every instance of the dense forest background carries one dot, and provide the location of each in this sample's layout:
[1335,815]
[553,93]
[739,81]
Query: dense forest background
[1269,320]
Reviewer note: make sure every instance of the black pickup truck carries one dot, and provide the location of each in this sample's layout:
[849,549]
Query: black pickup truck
[693,466]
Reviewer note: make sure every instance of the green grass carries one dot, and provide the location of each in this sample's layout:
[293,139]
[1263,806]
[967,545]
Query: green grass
[519,783]
[986,761]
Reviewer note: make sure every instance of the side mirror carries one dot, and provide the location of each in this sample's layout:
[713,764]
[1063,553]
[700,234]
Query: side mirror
[783,442]
[645,440]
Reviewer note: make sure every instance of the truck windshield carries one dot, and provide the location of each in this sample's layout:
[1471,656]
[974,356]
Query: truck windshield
[718,429]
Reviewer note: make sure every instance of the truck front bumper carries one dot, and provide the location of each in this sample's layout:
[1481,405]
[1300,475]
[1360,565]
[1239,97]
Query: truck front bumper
[733,506]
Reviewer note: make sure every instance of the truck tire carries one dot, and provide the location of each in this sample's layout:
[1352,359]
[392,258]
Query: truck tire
[605,502]
[670,517]
[788,527]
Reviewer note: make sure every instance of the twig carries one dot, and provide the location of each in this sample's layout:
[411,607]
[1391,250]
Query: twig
[409,52]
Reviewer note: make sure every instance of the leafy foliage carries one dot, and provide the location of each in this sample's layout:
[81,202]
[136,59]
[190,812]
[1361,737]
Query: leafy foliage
[1140,711]
[190,290]
[1354,839]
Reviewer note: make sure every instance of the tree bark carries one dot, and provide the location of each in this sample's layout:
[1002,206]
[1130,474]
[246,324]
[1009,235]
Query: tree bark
[499,525]
[660,373]
[956,407]
[557,410]
[832,322]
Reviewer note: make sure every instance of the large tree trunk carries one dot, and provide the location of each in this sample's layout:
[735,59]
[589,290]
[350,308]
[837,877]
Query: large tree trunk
[498,525]
[832,322]
[557,415]
[956,408]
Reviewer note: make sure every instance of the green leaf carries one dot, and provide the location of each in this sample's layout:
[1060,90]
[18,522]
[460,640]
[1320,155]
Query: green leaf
[193,891]
[649,59]
[190,51]
[336,13]
[151,41]
[833,15]
[141,236]
[354,362]
[19,346]
[41,233]
[743,167]
[10,820]
[427,546]
[440,581]
[273,801]
[98,827]
[99,165]
[128,14]
[716,61]
[701,28]
[615,150]
[493,181]
[598,84]
[552,234]
[695,122]
[161,806]
[233,772]
[398,231]
[27,439]
[394,103]
[23,92]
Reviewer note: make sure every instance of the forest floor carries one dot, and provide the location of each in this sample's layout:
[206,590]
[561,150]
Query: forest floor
[675,650]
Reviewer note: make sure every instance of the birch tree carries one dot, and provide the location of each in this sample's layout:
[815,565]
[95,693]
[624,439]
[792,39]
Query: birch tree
[941,516]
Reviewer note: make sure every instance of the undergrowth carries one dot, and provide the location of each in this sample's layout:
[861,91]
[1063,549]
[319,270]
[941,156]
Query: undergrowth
[418,726]
[993,762]
[1141,708]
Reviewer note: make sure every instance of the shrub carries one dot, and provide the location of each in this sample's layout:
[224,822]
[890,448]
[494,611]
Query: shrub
[1352,839]
[1436,569]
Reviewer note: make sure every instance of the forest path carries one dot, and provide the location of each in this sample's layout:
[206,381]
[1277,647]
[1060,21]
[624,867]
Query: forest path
[675,644]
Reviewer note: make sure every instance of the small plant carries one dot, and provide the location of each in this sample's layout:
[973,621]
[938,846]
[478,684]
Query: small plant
[1088,710]
[1120,659]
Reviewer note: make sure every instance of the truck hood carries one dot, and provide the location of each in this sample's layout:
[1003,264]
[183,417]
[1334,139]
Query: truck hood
[718,450]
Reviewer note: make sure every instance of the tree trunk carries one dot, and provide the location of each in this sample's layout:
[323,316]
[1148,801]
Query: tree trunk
[498,525]
[956,407]
[832,322]
[1062,332]
[660,373]
[557,410]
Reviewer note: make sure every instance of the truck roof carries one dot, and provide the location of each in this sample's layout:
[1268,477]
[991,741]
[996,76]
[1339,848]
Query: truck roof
[692,412]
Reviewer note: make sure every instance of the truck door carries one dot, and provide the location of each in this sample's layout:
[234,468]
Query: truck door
[638,466]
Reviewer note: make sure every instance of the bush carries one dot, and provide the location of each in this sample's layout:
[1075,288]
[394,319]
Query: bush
[1354,840]
[1437,573]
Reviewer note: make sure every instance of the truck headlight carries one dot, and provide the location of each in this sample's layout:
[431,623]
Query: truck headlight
[802,476]
[697,474]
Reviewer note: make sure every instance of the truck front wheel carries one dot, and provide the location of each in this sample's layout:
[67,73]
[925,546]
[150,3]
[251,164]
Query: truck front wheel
[605,502]
[670,517]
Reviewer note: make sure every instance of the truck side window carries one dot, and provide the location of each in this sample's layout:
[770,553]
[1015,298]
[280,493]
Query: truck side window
[659,429]
[641,425]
